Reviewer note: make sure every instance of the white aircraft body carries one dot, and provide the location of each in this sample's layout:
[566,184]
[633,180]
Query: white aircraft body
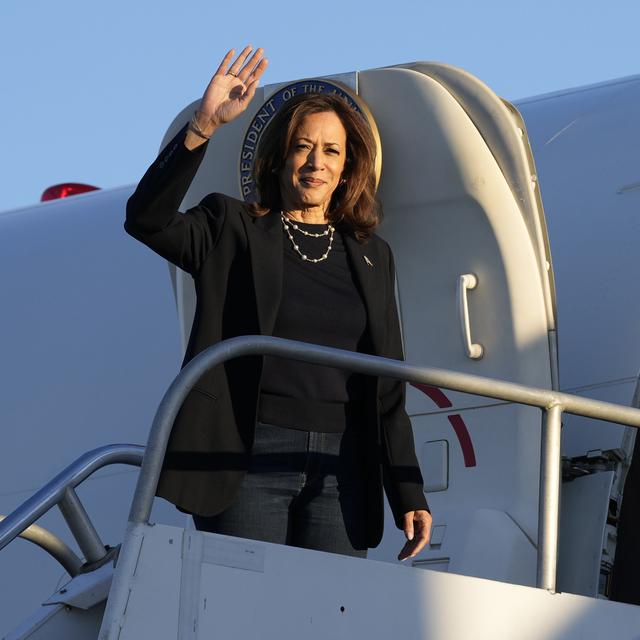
[94,326]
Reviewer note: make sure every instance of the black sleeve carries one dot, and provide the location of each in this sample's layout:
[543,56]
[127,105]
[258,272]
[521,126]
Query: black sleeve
[402,478]
[152,211]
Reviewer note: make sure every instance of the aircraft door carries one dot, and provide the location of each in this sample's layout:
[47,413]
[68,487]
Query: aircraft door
[475,293]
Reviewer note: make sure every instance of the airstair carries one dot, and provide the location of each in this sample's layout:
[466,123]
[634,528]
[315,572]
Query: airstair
[76,609]
[171,582]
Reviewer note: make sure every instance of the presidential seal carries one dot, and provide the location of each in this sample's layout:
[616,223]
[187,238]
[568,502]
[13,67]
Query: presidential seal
[266,112]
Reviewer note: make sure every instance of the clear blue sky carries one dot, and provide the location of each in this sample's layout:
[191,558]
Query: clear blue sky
[87,89]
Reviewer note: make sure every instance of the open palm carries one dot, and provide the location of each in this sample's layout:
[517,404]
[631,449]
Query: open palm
[233,86]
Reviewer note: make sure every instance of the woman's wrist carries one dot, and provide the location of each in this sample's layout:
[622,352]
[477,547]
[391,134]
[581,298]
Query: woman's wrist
[199,130]
[203,124]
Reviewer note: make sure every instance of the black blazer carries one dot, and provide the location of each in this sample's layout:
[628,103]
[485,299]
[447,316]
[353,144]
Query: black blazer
[236,263]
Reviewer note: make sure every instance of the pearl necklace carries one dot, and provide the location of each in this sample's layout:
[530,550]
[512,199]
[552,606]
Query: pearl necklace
[327,232]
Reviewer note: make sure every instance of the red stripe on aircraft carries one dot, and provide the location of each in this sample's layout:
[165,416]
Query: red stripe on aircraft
[457,422]
[435,394]
[464,439]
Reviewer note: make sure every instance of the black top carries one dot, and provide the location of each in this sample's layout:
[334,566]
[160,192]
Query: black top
[320,304]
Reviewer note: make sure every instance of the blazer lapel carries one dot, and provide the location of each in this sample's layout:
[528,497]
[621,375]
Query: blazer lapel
[370,276]
[265,247]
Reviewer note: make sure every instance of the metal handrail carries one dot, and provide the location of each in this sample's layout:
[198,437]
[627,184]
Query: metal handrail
[553,403]
[59,491]
[54,546]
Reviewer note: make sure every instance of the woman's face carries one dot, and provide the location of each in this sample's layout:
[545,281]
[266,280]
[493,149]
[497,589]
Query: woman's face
[315,163]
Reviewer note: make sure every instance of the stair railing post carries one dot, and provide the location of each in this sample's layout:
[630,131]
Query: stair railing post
[549,498]
[81,526]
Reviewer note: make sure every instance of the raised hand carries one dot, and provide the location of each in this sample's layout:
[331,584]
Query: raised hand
[232,86]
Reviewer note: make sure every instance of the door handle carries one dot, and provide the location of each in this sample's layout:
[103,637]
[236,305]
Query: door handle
[466,282]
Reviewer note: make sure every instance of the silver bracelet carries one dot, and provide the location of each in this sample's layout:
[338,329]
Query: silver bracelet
[195,128]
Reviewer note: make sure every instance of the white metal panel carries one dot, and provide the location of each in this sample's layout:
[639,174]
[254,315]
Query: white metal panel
[586,144]
[504,132]
[587,149]
[89,344]
[449,211]
[152,607]
[314,595]
[59,622]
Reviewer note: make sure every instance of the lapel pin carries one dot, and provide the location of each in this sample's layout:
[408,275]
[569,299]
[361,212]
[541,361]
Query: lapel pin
[369,263]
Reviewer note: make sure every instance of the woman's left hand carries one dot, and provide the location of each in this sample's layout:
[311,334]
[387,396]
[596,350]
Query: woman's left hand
[417,529]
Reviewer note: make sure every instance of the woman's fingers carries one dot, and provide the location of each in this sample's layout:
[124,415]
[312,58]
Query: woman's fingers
[254,80]
[245,71]
[258,70]
[233,85]
[251,65]
[408,525]
[250,91]
[222,69]
[234,69]
[417,529]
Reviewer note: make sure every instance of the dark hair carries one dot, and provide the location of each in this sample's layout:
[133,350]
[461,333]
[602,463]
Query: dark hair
[353,203]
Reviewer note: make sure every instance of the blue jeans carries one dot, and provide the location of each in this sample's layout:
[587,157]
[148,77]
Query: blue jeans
[304,489]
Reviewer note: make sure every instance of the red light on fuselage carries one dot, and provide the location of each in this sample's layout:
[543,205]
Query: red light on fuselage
[65,190]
